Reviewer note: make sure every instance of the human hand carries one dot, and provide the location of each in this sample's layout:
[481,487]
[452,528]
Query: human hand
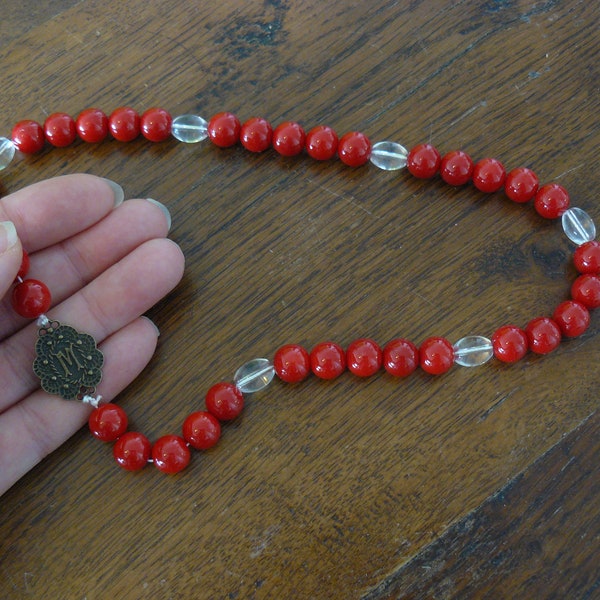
[106,262]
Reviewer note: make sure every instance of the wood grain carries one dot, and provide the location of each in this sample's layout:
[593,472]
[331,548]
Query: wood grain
[323,490]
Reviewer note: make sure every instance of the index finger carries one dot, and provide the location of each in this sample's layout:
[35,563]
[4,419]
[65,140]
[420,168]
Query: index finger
[51,211]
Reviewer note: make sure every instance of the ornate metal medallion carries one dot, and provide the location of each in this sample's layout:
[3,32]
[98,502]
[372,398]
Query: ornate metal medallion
[67,362]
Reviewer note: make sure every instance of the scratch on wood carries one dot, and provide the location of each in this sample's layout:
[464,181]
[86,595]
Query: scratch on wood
[498,403]
[350,199]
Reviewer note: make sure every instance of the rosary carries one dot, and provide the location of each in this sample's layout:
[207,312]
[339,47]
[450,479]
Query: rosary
[69,364]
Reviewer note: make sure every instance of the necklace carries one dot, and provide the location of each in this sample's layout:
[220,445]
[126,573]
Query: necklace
[69,364]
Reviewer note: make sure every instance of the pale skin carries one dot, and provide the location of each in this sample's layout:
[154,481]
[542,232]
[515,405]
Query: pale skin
[105,266]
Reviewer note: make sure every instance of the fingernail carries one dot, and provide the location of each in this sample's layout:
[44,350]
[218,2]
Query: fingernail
[153,324]
[118,192]
[164,209]
[8,235]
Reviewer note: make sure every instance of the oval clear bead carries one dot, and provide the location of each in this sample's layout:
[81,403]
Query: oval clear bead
[473,351]
[190,129]
[578,226]
[389,156]
[254,376]
[7,152]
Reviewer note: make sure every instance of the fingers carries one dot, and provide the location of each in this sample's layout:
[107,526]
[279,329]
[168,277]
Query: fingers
[38,424]
[53,210]
[11,255]
[111,301]
[70,265]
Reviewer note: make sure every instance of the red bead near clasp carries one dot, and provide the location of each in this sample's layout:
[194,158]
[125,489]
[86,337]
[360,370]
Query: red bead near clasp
[28,136]
[587,258]
[423,161]
[225,401]
[586,290]
[201,430]
[256,134]
[327,360]
[510,343]
[551,201]
[31,298]
[292,363]
[224,129]
[572,317]
[155,124]
[436,355]
[456,167]
[354,149]
[543,334]
[108,422]
[171,454]
[132,451]
[364,357]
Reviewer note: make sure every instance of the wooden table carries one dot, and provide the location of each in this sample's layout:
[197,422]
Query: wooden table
[479,483]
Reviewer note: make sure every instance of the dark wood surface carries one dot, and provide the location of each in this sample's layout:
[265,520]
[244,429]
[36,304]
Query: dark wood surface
[481,483]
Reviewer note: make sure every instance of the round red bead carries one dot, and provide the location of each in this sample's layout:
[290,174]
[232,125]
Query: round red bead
[587,257]
[322,143]
[224,401]
[201,430]
[132,451]
[423,161]
[586,290]
[543,334]
[170,454]
[289,138]
[292,363]
[328,360]
[224,129]
[489,175]
[31,298]
[354,149]
[24,268]
[92,125]
[521,184]
[551,201]
[256,134]
[364,357]
[400,357]
[572,317]
[436,355]
[510,343]
[28,136]
[60,130]
[108,422]
[155,124]
[456,167]
[124,124]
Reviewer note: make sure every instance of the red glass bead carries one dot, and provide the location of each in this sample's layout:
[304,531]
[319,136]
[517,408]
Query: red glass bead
[289,138]
[456,167]
[132,451]
[400,357]
[108,422]
[586,290]
[31,298]
[510,343]
[424,161]
[224,129]
[543,334]
[551,201]
[124,124]
[155,124]
[292,363]
[587,257]
[24,268]
[256,134]
[436,355]
[489,175]
[572,317]
[170,454]
[201,430]
[28,136]
[327,360]
[225,401]
[92,125]
[322,143]
[60,130]
[364,357]
[354,149]
[521,184]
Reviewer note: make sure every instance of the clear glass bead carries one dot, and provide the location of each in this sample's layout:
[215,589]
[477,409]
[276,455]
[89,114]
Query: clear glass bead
[7,152]
[389,156]
[473,351]
[578,226]
[189,129]
[254,375]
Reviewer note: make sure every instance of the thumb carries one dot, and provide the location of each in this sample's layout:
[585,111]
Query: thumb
[11,255]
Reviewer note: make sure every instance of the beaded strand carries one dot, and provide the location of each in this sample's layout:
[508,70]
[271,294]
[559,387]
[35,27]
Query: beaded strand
[327,360]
